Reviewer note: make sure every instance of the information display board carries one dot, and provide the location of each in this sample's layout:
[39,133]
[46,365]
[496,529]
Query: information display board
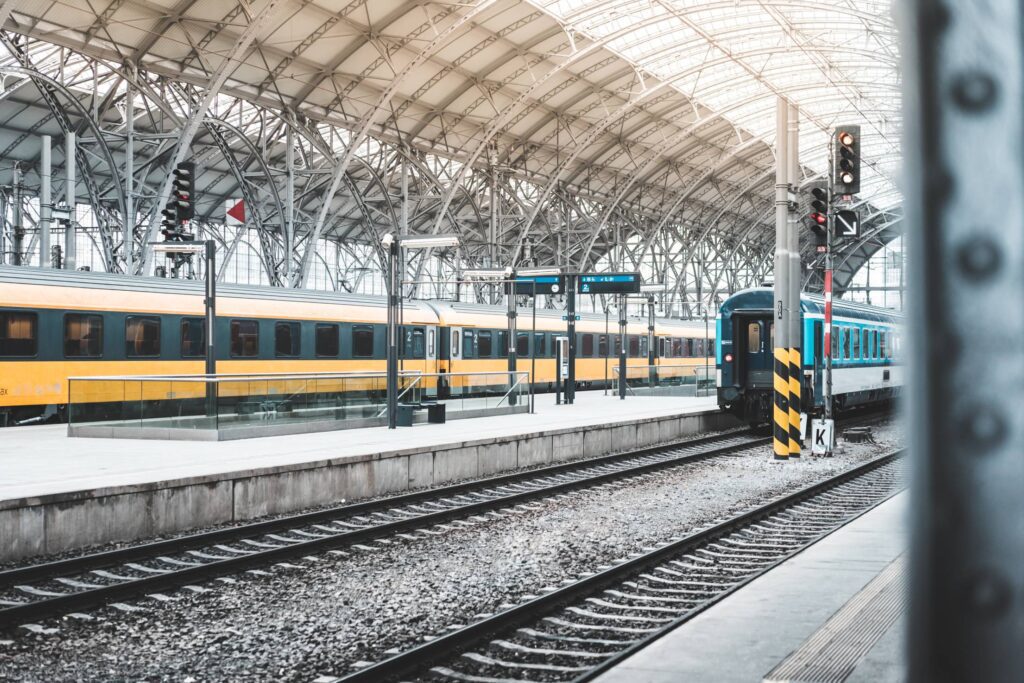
[546,284]
[610,283]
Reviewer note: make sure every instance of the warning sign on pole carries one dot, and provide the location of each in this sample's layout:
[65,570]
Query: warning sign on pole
[822,435]
[234,211]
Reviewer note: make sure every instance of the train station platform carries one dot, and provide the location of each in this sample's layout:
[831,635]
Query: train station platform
[59,493]
[831,613]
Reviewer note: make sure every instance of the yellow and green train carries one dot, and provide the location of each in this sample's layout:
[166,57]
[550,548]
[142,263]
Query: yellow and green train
[58,324]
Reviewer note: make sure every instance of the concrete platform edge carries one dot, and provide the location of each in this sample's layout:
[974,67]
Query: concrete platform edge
[77,519]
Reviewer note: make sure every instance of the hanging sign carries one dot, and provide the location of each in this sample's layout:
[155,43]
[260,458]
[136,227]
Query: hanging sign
[610,283]
[234,212]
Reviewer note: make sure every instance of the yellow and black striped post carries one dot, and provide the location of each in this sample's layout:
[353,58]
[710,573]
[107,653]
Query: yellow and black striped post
[794,402]
[781,412]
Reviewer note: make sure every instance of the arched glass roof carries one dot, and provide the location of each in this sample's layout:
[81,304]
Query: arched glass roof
[837,60]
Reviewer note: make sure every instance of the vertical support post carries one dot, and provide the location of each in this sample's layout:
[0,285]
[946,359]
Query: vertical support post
[570,307]
[964,160]
[70,233]
[607,343]
[128,243]
[780,350]
[45,201]
[793,297]
[622,347]
[392,341]
[289,201]
[3,227]
[652,372]
[19,258]
[510,298]
[210,303]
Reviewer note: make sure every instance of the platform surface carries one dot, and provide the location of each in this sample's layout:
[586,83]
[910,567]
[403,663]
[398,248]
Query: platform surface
[43,460]
[746,635]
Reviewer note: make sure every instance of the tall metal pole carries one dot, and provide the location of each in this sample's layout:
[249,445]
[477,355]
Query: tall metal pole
[570,291]
[19,257]
[70,233]
[780,414]
[45,202]
[829,227]
[210,303]
[793,295]
[652,373]
[622,347]
[510,297]
[128,243]
[392,341]
[289,201]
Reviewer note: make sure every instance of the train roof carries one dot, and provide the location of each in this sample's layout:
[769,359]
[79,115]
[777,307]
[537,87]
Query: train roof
[762,298]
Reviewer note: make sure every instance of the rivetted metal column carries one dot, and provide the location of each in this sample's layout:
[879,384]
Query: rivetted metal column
[128,243]
[963,179]
[45,201]
[18,247]
[793,297]
[780,318]
[289,202]
[70,233]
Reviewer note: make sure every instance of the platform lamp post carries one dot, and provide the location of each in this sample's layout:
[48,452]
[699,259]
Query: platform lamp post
[393,246]
[208,249]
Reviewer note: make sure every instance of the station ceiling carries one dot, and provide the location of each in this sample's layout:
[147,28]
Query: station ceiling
[667,105]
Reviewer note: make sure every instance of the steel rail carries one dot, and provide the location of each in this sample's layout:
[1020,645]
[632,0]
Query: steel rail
[12,614]
[419,658]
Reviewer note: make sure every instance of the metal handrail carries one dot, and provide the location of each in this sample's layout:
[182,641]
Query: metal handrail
[403,393]
[522,376]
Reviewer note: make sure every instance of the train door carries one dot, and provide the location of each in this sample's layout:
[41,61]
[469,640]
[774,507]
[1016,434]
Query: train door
[754,337]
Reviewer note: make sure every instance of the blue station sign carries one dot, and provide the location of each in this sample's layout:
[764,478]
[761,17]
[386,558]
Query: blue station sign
[610,283]
[539,284]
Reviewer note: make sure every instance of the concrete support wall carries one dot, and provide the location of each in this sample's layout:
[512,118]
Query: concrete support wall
[79,519]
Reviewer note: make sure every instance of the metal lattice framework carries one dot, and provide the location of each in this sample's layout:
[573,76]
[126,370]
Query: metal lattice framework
[630,134]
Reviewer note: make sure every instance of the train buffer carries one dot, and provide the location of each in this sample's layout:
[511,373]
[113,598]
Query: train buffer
[435,412]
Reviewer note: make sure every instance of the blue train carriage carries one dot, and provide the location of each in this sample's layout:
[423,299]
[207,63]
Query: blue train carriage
[866,354]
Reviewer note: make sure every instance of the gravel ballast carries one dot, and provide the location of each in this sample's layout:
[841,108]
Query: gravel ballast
[322,615]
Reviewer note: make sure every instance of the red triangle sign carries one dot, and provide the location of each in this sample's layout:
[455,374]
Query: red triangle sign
[238,211]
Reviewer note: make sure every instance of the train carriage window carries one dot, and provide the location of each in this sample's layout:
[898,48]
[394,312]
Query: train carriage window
[753,338]
[634,346]
[141,336]
[419,346]
[523,344]
[882,352]
[83,336]
[847,343]
[588,346]
[245,338]
[643,347]
[19,334]
[501,345]
[193,337]
[467,344]
[602,345]
[484,348]
[455,344]
[327,340]
[664,347]
[540,348]
[430,344]
[618,345]
[362,341]
[286,339]
[855,334]
[835,343]
[874,344]
[677,347]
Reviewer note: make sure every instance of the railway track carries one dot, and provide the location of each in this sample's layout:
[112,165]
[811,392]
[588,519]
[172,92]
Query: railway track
[577,631]
[35,592]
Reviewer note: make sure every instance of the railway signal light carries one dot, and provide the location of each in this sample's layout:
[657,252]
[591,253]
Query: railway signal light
[182,190]
[846,160]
